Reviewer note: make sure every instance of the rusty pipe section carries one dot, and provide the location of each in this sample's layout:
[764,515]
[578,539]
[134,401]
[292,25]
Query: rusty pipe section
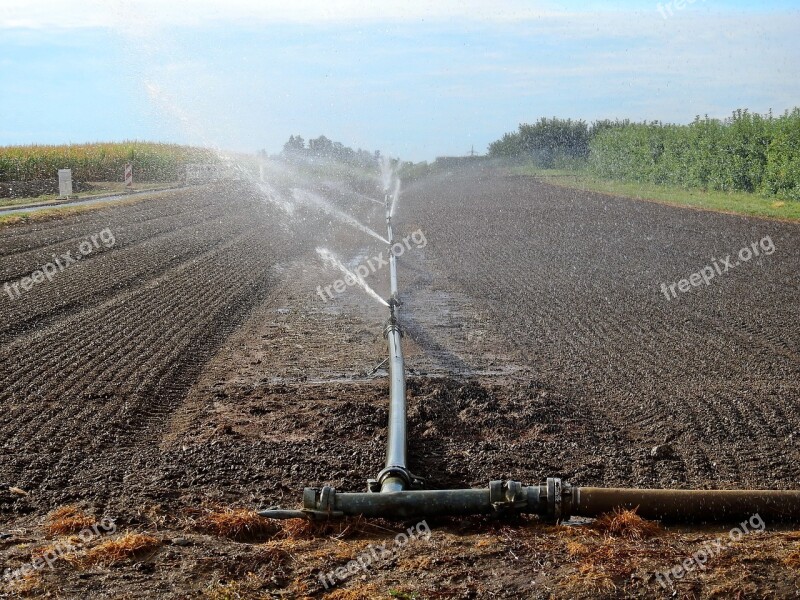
[687,506]
[553,501]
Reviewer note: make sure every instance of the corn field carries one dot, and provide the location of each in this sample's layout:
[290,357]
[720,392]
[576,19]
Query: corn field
[152,162]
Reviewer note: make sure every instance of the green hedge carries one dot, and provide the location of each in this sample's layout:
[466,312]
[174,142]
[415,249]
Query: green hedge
[747,152]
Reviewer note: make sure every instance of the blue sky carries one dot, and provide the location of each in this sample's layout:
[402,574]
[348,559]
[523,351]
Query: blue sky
[414,79]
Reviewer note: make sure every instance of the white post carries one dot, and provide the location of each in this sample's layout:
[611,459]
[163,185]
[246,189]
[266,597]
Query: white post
[64,183]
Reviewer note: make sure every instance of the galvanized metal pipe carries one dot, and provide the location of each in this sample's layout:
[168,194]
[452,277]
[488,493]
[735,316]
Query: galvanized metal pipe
[395,476]
[396,438]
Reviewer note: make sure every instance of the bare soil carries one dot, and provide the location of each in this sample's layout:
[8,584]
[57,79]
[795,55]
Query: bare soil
[191,367]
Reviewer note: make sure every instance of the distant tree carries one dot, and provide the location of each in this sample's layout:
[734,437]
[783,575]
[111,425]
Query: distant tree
[320,146]
[294,145]
[546,142]
[508,146]
[550,139]
[605,124]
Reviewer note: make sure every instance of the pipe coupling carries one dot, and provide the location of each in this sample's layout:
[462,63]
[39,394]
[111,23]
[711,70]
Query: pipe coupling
[392,326]
[507,496]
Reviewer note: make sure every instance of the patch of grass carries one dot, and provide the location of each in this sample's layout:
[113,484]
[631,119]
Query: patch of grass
[115,551]
[65,210]
[403,595]
[99,188]
[66,520]
[730,202]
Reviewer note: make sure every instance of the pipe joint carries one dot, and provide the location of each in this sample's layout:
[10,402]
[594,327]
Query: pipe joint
[320,503]
[556,500]
[392,326]
[507,496]
[408,479]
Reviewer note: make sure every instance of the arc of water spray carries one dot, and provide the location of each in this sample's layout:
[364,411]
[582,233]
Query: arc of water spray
[304,196]
[395,196]
[330,259]
[368,198]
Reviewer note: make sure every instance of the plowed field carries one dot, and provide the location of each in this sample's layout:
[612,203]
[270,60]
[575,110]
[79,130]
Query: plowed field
[191,366]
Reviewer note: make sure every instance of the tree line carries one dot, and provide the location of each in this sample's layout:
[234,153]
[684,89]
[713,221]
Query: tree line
[322,147]
[745,152]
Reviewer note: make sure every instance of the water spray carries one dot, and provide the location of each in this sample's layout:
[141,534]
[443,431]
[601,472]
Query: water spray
[330,259]
[396,493]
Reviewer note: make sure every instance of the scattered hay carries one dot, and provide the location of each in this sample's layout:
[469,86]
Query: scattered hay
[66,520]
[237,524]
[626,524]
[270,561]
[341,529]
[29,586]
[249,587]
[576,548]
[302,529]
[793,560]
[364,592]
[62,548]
[120,549]
[590,578]
[417,564]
